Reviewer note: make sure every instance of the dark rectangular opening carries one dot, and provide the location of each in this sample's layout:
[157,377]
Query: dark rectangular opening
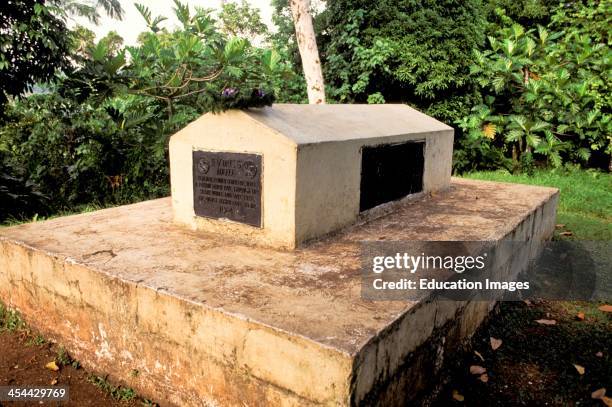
[390,172]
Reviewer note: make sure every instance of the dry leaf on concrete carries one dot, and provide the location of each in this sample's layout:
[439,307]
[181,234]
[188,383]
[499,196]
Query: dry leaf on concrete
[495,343]
[52,366]
[457,396]
[606,308]
[599,393]
[579,369]
[475,369]
[479,355]
[546,321]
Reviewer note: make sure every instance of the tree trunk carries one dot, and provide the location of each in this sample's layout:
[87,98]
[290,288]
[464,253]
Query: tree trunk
[307,43]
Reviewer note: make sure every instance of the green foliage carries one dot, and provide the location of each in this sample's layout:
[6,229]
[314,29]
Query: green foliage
[545,93]
[241,20]
[37,340]
[10,320]
[415,52]
[63,358]
[101,135]
[528,13]
[119,393]
[16,191]
[33,45]
[87,8]
[79,152]
[199,66]
[526,82]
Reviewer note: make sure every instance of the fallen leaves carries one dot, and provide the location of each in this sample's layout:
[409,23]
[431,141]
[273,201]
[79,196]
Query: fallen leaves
[52,366]
[579,369]
[495,343]
[53,382]
[606,308]
[580,316]
[476,369]
[458,396]
[599,394]
[481,372]
[546,321]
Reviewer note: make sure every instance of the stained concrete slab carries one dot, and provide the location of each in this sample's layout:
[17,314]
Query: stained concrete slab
[208,320]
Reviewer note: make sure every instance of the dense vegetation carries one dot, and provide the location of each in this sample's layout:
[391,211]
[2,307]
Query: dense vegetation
[99,131]
[525,83]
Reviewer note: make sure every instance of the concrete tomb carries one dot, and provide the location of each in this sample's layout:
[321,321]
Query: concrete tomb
[244,287]
[281,176]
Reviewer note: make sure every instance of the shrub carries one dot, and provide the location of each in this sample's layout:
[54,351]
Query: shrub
[415,52]
[545,93]
[101,135]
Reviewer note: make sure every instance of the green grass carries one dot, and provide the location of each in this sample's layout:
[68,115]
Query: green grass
[36,340]
[10,320]
[119,393]
[585,205]
[79,209]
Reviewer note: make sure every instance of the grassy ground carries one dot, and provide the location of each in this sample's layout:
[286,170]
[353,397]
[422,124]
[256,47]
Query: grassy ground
[80,209]
[585,206]
[540,364]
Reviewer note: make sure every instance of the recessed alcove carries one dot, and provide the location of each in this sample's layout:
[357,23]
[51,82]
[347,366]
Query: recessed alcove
[390,172]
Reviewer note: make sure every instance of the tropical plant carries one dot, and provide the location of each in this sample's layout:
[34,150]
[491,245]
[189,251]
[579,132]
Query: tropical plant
[100,133]
[415,52]
[242,20]
[33,46]
[86,8]
[546,92]
[198,65]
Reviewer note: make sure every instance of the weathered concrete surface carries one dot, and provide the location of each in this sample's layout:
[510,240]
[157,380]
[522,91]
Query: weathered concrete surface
[311,157]
[207,320]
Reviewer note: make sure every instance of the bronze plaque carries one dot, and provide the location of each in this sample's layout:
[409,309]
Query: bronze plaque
[227,185]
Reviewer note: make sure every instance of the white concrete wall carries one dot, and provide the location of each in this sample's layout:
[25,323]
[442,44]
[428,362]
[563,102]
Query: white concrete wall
[329,179]
[235,131]
[308,189]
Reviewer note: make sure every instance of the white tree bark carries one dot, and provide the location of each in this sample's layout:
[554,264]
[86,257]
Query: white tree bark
[307,44]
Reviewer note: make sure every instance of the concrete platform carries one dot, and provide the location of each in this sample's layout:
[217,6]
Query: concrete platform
[207,321]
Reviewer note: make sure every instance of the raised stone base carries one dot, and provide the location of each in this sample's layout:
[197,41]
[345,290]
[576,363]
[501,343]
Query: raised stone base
[208,321]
